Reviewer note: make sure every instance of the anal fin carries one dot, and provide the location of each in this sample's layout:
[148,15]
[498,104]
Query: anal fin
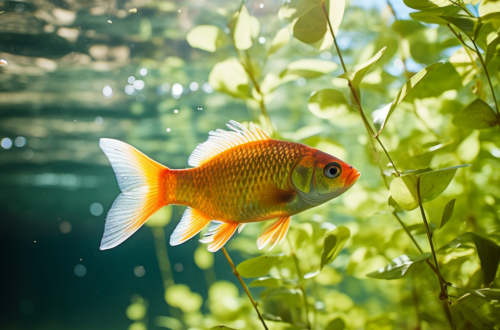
[273,233]
[218,234]
[192,222]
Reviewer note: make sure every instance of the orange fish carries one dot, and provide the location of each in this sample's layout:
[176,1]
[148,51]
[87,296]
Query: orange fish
[238,176]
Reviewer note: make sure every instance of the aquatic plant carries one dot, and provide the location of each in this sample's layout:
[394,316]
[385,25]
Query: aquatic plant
[406,92]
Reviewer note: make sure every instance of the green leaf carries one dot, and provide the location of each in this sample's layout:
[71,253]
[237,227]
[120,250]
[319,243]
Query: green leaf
[230,77]
[381,116]
[328,103]
[447,213]
[400,267]
[280,40]
[336,10]
[311,26]
[257,267]
[426,4]
[432,15]
[360,71]
[307,69]
[292,294]
[487,250]
[465,63]
[486,294]
[407,27]
[432,184]
[243,30]
[221,327]
[493,48]
[334,242]
[419,228]
[472,312]
[469,148]
[395,206]
[254,26]
[271,282]
[206,37]
[477,115]
[468,25]
[336,324]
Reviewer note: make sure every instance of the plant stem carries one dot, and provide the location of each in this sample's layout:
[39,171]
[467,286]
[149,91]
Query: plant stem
[375,153]
[162,256]
[463,8]
[483,64]
[489,80]
[164,263]
[417,245]
[246,62]
[244,287]
[442,284]
[408,232]
[370,132]
[249,69]
[355,94]
[301,281]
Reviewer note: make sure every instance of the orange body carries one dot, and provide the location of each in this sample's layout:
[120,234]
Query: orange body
[234,186]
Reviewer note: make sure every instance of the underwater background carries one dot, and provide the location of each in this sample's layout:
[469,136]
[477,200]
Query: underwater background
[77,71]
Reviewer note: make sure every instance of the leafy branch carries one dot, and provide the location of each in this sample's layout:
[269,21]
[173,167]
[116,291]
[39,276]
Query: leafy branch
[237,274]
[355,93]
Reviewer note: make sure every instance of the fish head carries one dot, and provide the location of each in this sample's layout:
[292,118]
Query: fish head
[320,177]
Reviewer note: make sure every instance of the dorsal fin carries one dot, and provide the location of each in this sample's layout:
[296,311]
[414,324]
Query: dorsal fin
[220,141]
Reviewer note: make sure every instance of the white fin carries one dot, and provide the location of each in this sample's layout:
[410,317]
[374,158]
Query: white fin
[220,141]
[192,222]
[218,234]
[240,228]
[273,233]
[139,180]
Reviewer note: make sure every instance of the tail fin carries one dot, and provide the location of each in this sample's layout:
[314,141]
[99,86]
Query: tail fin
[141,182]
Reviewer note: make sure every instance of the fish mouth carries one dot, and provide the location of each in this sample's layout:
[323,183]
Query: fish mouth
[352,178]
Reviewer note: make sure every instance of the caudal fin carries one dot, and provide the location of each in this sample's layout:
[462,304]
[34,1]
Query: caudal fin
[141,182]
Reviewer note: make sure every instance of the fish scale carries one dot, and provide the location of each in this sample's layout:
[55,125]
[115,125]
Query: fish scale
[243,173]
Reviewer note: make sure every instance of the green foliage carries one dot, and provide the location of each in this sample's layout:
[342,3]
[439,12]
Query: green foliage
[477,115]
[382,115]
[180,296]
[334,242]
[206,37]
[328,103]
[259,266]
[432,184]
[447,213]
[487,250]
[400,267]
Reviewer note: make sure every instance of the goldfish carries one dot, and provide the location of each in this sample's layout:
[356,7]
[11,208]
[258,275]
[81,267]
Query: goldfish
[237,177]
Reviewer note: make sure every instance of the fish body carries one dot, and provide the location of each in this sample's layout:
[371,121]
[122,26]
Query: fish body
[239,176]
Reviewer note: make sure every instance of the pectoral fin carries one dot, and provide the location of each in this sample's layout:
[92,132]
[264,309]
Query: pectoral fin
[273,233]
[273,196]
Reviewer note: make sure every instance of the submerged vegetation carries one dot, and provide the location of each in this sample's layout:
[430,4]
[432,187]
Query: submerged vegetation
[407,92]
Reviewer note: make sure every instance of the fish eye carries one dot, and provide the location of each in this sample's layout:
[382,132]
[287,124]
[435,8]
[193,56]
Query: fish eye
[332,170]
